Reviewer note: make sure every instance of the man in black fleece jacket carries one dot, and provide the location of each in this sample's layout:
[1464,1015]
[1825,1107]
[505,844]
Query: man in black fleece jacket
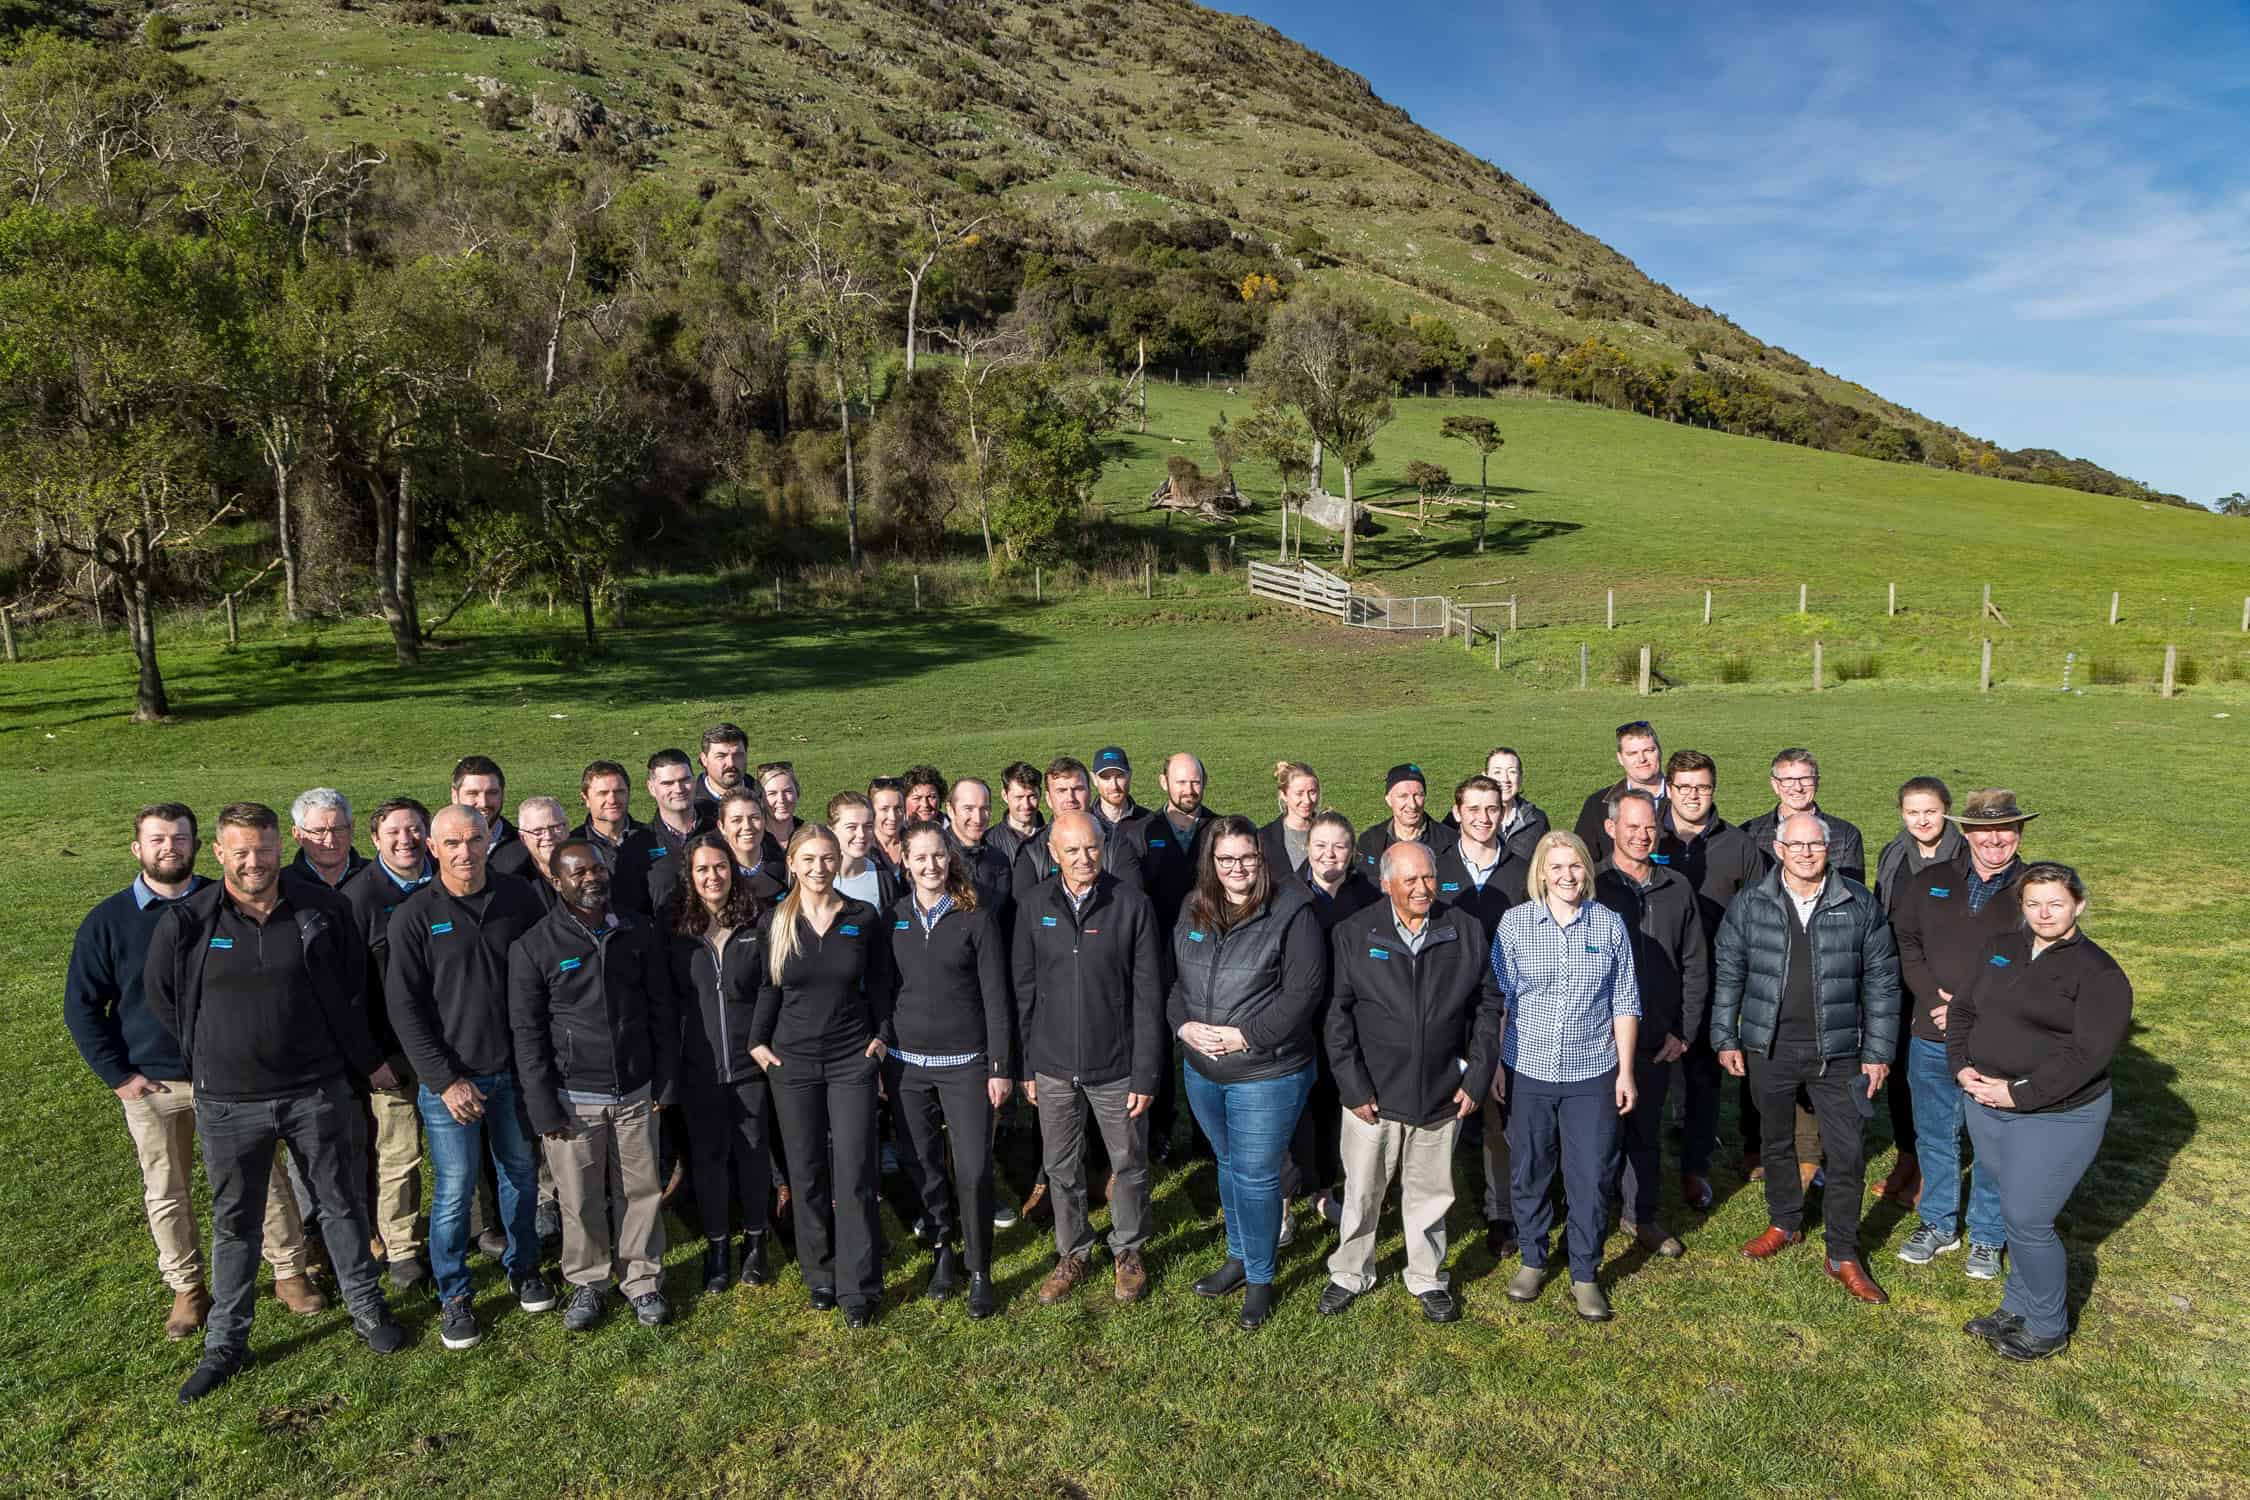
[446,992]
[597,1043]
[263,984]
[1090,1012]
[1673,964]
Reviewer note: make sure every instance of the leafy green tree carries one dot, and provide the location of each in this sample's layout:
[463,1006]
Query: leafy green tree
[1046,457]
[1425,477]
[1482,434]
[1325,356]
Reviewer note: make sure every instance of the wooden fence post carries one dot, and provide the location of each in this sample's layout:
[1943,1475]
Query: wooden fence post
[2070,659]
[1581,665]
[1816,683]
[1984,673]
[1892,607]
[1986,611]
[1644,671]
[234,635]
[2245,615]
[1468,630]
[1038,585]
[1148,588]
[777,593]
[1613,609]
[2113,606]
[917,593]
[1800,598]
[1706,606]
[1496,651]
[2171,668]
[1512,610]
[8,632]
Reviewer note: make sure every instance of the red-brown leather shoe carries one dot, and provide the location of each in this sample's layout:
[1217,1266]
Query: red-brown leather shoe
[1904,1185]
[1856,1280]
[1772,1242]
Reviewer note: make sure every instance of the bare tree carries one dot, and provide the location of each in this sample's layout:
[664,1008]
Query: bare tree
[925,250]
[836,307]
[981,355]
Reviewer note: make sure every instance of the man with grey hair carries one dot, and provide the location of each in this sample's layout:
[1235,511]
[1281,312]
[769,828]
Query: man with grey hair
[1413,1022]
[1805,995]
[541,827]
[320,820]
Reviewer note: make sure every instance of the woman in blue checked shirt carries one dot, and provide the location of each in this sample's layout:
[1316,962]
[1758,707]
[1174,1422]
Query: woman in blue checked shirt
[1566,1061]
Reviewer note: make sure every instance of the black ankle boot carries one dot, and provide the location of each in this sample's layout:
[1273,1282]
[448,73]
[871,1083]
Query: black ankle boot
[756,1270]
[716,1276]
[1257,1306]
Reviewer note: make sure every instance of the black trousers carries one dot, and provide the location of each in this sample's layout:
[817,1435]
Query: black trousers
[934,1108]
[1640,1178]
[1901,1093]
[326,1131]
[728,1154]
[1837,1089]
[828,1111]
[1315,1161]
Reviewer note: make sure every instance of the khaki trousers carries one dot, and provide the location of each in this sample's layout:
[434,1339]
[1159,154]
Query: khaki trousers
[396,1162]
[605,1172]
[1421,1158]
[163,1130]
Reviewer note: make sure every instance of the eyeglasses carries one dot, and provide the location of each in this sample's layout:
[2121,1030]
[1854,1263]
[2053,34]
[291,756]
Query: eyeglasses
[340,831]
[551,831]
[1237,861]
[1811,846]
[1797,783]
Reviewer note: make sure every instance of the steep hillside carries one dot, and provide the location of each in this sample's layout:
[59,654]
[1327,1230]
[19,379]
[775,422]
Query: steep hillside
[1068,116]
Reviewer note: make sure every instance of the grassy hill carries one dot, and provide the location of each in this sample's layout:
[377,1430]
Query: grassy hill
[1070,116]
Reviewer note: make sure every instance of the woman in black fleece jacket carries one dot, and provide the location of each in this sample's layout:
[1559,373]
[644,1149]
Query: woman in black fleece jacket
[2030,1040]
[823,1005]
[951,1062]
[718,951]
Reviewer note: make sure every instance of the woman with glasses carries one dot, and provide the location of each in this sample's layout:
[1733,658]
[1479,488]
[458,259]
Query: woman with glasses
[1252,970]
[541,826]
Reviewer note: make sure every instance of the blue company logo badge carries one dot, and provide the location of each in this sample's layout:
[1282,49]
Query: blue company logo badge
[900,925]
[1450,885]
[1660,859]
[1591,948]
[1381,953]
[1046,921]
[439,928]
[1999,961]
[222,942]
[1195,937]
[567,965]
[849,929]
[1158,844]
[658,852]
[1941,891]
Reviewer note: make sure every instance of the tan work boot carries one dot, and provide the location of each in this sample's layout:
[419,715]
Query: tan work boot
[1063,1279]
[1132,1276]
[299,1295]
[190,1306]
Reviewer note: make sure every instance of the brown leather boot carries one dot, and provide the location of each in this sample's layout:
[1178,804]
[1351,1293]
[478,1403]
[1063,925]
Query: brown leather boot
[1772,1243]
[190,1306]
[1806,1172]
[299,1295]
[1132,1276]
[1856,1280]
[1063,1279]
[1036,1209]
[1904,1185]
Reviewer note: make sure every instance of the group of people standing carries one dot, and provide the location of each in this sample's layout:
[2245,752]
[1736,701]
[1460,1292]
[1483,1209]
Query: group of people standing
[746,1001]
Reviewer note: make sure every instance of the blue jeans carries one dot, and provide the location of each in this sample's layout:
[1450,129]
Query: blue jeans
[2036,1160]
[506,1133]
[1937,1131]
[1250,1126]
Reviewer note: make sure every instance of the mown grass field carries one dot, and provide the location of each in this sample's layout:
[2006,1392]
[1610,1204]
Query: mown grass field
[1718,1378]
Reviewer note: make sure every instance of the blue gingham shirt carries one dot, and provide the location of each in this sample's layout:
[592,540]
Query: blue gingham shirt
[1981,890]
[1565,985]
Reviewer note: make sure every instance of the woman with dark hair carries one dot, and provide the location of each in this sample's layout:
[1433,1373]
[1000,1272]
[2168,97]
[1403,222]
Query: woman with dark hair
[718,959]
[823,1003]
[950,1063]
[2030,1041]
[1252,969]
[1331,875]
[1926,837]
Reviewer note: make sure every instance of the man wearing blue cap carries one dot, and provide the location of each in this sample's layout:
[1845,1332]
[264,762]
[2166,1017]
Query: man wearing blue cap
[1405,789]
[1124,823]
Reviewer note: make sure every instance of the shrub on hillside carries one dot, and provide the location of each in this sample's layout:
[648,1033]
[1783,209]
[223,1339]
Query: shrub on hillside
[160,33]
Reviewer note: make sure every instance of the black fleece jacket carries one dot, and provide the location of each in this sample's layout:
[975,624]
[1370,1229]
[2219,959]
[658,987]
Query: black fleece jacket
[835,992]
[1089,985]
[590,1015]
[446,986]
[1671,956]
[2049,1025]
[951,986]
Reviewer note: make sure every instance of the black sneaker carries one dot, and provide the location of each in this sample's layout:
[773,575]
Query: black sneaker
[533,1294]
[382,1332]
[217,1367]
[2021,1343]
[652,1309]
[1992,1325]
[585,1309]
[457,1327]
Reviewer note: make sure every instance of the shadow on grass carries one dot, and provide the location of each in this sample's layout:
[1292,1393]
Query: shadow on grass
[1509,538]
[644,667]
[2149,1125]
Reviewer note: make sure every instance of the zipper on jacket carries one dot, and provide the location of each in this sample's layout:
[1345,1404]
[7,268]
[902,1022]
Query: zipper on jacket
[719,1000]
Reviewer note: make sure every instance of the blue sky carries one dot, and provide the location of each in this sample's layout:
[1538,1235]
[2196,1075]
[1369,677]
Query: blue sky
[2031,221]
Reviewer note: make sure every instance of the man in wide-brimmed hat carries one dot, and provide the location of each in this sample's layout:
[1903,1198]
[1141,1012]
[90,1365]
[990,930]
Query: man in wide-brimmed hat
[1944,916]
